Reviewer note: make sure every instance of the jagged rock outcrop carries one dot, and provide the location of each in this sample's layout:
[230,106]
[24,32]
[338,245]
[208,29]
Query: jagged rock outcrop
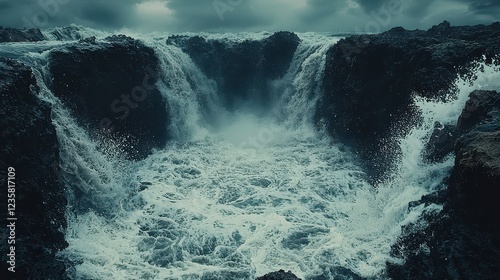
[30,146]
[242,70]
[110,88]
[279,275]
[475,139]
[20,35]
[474,185]
[334,272]
[463,240]
[440,143]
[370,81]
[443,247]
[480,107]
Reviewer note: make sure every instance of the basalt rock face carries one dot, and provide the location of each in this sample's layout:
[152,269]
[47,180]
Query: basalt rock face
[475,139]
[447,248]
[474,186]
[110,88]
[441,142]
[20,35]
[463,240]
[331,273]
[242,70]
[279,275]
[480,107]
[30,146]
[370,82]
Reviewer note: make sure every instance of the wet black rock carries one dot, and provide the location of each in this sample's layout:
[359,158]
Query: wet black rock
[244,69]
[444,137]
[479,107]
[30,146]
[370,82]
[443,247]
[463,240]
[474,186]
[279,275]
[20,35]
[334,272]
[110,88]
[441,142]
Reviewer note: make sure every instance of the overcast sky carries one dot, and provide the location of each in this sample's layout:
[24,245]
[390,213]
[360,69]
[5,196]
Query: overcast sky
[248,15]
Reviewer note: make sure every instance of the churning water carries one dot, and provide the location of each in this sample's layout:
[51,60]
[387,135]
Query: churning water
[243,194]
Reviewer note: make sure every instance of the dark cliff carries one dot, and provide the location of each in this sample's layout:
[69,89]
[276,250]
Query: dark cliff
[30,146]
[110,88]
[475,188]
[370,82]
[463,240]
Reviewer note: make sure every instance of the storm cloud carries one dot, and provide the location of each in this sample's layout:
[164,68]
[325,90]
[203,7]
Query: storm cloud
[247,15]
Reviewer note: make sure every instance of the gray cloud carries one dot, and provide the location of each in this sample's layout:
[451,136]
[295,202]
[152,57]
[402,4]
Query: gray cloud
[491,8]
[112,13]
[219,14]
[245,15]
[52,13]
[370,5]
[418,9]
[318,10]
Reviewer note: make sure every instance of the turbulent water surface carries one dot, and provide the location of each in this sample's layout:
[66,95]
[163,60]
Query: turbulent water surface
[240,193]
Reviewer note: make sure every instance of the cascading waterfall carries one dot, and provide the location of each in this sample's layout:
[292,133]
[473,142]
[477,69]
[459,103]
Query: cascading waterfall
[88,170]
[299,98]
[262,194]
[191,97]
